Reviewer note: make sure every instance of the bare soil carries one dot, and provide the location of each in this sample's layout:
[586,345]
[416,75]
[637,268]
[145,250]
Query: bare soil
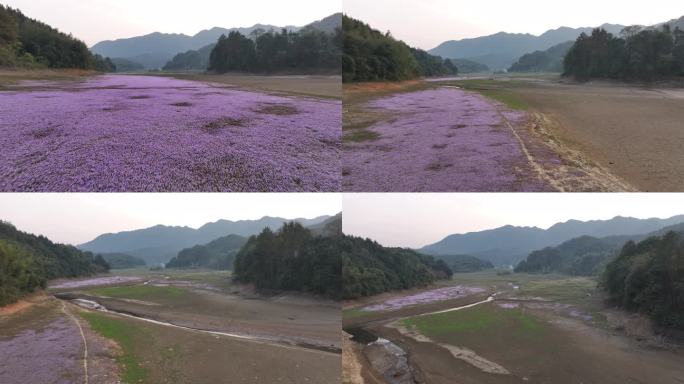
[634,132]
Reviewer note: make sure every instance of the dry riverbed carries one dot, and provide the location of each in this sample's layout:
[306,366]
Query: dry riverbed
[532,330]
[182,327]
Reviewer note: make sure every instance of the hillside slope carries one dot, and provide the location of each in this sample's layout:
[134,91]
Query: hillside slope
[28,261]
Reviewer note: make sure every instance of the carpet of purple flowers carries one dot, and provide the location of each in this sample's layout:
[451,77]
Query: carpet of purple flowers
[440,140]
[153,134]
[426,297]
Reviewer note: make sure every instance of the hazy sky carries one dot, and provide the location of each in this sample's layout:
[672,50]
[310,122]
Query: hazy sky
[427,23]
[95,20]
[414,220]
[77,218]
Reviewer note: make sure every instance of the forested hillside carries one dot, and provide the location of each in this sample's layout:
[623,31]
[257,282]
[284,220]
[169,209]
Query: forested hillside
[368,268]
[217,254]
[292,259]
[648,277]
[550,60]
[191,60]
[582,256]
[469,66]
[123,65]
[122,261]
[370,55]
[268,51]
[28,261]
[643,54]
[465,263]
[28,43]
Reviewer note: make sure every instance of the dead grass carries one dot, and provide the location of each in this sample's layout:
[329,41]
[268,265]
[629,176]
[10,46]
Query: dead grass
[182,104]
[437,167]
[224,122]
[277,109]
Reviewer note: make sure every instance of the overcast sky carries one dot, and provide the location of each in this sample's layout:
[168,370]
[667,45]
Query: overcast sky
[95,20]
[77,218]
[415,220]
[427,23]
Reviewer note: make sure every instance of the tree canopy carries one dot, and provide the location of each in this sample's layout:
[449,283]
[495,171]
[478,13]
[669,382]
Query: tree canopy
[648,277]
[28,261]
[268,51]
[647,54]
[368,268]
[370,55]
[291,259]
[25,42]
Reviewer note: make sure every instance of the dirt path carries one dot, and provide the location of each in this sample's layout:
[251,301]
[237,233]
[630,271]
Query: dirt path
[445,139]
[635,133]
[85,342]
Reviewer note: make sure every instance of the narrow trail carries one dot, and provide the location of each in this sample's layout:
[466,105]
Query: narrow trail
[530,159]
[487,300]
[85,342]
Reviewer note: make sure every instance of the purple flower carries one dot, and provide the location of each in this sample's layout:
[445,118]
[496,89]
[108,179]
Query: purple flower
[147,134]
[440,140]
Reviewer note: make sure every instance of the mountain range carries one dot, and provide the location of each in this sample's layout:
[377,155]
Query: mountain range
[508,245]
[501,50]
[160,243]
[154,50]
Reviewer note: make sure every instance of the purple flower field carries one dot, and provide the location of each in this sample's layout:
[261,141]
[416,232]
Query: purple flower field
[431,296]
[48,355]
[146,133]
[441,140]
[93,282]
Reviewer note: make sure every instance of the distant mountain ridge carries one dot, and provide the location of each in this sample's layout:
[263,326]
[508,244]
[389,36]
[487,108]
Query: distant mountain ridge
[499,51]
[584,255]
[160,243]
[154,50]
[509,245]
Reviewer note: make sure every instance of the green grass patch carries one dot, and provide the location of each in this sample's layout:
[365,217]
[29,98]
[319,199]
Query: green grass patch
[126,337]
[568,290]
[480,319]
[356,313]
[141,292]
[499,90]
[508,98]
